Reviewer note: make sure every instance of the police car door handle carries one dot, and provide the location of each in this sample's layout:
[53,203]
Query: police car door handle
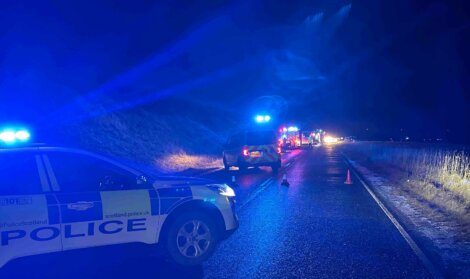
[80,206]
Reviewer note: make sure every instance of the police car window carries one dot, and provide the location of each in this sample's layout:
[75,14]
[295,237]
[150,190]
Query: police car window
[19,174]
[260,138]
[81,173]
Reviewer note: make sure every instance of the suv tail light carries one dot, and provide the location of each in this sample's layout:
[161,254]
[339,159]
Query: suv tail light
[279,150]
[245,152]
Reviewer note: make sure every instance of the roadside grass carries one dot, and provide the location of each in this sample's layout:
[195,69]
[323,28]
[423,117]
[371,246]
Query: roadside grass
[162,142]
[180,161]
[438,175]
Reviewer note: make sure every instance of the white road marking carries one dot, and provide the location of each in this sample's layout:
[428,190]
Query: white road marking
[266,183]
[256,193]
[419,253]
[263,184]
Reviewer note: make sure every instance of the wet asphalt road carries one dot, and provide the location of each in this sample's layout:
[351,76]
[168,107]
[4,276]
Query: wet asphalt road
[316,228]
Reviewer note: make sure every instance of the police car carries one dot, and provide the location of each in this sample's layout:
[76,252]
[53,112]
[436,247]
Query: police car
[252,148]
[55,199]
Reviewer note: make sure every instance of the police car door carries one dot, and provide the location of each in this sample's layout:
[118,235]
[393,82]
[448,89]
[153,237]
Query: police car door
[100,203]
[29,216]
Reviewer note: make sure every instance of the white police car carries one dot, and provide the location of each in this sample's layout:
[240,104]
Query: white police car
[54,199]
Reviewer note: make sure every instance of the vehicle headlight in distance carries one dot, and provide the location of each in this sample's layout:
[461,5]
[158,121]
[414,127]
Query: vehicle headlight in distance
[223,189]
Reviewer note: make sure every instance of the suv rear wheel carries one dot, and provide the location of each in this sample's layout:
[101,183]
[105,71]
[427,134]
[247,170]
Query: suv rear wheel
[192,238]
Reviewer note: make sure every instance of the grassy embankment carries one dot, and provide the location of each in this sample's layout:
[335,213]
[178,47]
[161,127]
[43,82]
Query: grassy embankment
[437,174]
[168,138]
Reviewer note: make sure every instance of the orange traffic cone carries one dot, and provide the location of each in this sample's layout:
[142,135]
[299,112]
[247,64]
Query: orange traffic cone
[348,178]
[284,181]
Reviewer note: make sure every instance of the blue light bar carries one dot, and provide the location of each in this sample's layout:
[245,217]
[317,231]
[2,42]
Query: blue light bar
[262,118]
[292,129]
[8,136]
[22,135]
[12,136]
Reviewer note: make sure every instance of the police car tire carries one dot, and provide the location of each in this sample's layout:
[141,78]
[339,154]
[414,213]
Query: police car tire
[171,243]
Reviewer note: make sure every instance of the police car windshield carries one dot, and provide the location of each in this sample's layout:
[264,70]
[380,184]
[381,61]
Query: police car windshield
[260,137]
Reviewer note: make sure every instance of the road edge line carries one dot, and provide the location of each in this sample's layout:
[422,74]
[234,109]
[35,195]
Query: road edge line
[256,193]
[263,185]
[413,245]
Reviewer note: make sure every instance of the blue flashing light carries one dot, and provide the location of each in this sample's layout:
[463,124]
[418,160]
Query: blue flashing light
[7,136]
[262,118]
[22,135]
[259,118]
[293,129]
[12,136]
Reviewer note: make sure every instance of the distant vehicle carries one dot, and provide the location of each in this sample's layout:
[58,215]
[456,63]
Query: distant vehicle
[251,149]
[55,199]
[290,138]
[307,138]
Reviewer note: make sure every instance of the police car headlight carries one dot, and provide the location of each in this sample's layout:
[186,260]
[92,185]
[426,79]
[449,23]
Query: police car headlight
[223,189]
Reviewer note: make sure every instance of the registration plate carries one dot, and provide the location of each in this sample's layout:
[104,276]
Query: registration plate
[255,154]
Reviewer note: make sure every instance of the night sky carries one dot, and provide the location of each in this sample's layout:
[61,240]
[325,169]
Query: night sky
[374,69]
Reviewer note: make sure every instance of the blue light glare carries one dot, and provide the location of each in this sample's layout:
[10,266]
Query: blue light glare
[262,118]
[12,136]
[259,118]
[293,129]
[7,136]
[22,135]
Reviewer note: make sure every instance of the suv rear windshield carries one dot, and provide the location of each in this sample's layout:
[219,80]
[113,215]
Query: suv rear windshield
[260,138]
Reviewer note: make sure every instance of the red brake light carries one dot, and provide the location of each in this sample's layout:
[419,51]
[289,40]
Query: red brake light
[279,150]
[245,152]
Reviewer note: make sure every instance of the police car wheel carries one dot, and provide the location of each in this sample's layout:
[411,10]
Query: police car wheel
[192,239]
